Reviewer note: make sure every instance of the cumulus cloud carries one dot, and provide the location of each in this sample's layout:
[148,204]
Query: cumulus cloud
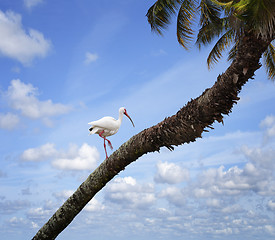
[220,182]
[38,214]
[263,158]
[173,195]
[8,121]
[23,97]
[85,158]
[74,158]
[90,57]
[128,192]
[41,153]
[32,3]
[269,125]
[18,44]
[256,176]
[170,173]
[94,205]
[16,222]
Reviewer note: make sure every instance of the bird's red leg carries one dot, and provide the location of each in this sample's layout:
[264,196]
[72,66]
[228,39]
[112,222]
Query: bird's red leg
[109,143]
[104,143]
[105,149]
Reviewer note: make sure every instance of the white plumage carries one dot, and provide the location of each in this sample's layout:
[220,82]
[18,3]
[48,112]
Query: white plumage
[108,126]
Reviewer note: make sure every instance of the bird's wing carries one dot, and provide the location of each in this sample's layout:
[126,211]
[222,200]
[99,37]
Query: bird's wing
[105,122]
[94,130]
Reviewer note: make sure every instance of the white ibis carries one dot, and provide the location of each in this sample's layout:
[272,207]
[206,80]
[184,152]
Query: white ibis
[108,126]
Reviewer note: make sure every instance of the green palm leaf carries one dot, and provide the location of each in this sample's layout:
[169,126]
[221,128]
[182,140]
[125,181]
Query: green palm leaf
[269,61]
[185,21]
[221,45]
[210,31]
[211,23]
[233,51]
[210,12]
[159,14]
[257,15]
[225,20]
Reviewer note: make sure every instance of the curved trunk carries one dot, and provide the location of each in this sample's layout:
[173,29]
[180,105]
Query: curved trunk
[183,127]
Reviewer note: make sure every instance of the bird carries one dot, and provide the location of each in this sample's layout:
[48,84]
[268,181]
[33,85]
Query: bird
[108,126]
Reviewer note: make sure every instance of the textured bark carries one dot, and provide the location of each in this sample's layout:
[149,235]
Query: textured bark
[183,127]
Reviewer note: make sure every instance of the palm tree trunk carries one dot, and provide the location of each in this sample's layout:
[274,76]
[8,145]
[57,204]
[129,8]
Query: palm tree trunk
[183,127]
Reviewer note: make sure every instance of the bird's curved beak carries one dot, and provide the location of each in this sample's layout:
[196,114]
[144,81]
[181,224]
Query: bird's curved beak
[129,118]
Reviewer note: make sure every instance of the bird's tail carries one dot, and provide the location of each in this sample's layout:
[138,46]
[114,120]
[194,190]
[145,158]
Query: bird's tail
[90,129]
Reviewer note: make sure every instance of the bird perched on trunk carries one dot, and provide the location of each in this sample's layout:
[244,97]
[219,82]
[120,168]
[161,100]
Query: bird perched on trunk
[108,126]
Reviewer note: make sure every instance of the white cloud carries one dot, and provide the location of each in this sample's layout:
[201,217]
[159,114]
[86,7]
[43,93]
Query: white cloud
[8,121]
[38,213]
[255,176]
[32,3]
[94,205]
[170,173]
[174,195]
[128,192]
[90,57]
[213,202]
[16,222]
[84,158]
[32,44]
[263,158]
[269,124]
[232,209]
[41,153]
[218,182]
[74,158]
[34,225]
[23,97]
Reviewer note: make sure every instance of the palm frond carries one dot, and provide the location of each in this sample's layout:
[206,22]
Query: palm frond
[269,61]
[210,12]
[223,3]
[216,53]
[209,31]
[233,51]
[160,13]
[184,22]
[257,15]
[262,17]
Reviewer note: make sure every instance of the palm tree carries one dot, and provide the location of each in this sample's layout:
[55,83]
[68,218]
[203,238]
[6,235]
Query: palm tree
[249,25]
[227,20]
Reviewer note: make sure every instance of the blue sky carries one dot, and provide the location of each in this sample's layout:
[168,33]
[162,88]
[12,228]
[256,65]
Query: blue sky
[66,63]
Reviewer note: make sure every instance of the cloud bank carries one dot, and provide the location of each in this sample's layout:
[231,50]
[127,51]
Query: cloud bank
[8,121]
[32,42]
[170,173]
[75,158]
[23,97]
